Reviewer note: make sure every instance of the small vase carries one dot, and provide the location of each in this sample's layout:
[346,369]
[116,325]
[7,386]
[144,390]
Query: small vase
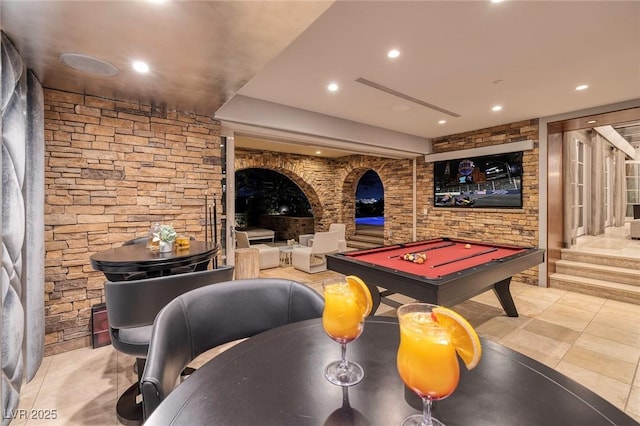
[166,247]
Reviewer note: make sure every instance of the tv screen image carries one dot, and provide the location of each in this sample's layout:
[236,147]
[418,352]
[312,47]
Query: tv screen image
[489,181]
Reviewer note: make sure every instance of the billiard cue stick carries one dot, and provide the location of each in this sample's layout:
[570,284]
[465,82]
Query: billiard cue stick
[465,257]
[210,213]
[206,222]
[213,238]
[432,248]
[215,221]
[215,231]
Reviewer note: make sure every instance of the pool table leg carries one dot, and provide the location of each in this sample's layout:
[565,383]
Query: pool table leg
[375,297]
[501,289]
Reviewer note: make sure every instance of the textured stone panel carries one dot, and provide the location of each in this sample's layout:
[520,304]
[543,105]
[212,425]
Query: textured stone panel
[106,182]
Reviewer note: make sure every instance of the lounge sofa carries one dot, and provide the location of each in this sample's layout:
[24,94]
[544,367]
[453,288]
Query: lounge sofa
[258,234]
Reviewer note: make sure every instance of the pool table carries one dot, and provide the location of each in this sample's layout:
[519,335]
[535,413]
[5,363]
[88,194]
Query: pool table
[454,270]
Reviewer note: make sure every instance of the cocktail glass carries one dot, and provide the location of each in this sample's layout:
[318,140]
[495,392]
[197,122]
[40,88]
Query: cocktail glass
[427,360]
[154,245]
[183,242]
[343,321]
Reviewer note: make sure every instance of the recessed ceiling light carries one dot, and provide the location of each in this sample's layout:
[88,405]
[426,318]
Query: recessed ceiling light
[592,121]
[393,53]
[497,1]
[582,87]
[332,87]
[497,108]
[318,152]
[89,64]
[442,121]
[140,67]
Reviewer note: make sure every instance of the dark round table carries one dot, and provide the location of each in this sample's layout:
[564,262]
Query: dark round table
[276,378]
[119,263]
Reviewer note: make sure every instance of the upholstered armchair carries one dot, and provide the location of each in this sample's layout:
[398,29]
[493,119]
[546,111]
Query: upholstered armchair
[269,257]
[312,259]
[210,316]
[341,229]
[132,307]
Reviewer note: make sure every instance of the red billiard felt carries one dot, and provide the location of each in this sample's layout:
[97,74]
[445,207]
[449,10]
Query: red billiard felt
[391,256]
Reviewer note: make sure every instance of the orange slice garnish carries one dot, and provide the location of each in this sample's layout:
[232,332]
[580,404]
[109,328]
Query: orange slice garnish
[463,336]
[363,295]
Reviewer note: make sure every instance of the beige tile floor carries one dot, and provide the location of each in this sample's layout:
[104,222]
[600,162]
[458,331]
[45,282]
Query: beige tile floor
[593,340]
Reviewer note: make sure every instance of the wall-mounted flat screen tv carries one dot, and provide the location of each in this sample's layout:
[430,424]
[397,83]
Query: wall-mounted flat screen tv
[489,181]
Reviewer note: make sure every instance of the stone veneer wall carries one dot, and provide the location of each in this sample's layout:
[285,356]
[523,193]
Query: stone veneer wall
[287,227]
[330,185]
[112,169]
[508,226]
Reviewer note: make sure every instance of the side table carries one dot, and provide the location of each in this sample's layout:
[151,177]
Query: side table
[285,254]
[247,263]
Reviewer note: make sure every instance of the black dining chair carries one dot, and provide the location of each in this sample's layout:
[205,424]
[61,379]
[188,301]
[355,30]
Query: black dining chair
[138,240]
[210,316]
[132,307]
[135,275]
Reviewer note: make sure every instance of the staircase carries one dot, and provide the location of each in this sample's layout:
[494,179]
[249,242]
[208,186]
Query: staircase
[366,236]
[612,277]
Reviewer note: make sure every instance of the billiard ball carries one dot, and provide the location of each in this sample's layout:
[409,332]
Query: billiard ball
[467,246]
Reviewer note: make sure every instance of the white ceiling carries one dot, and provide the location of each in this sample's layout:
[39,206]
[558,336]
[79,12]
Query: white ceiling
[460,56]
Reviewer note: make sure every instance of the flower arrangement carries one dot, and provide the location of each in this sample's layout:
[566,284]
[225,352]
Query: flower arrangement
[165,233]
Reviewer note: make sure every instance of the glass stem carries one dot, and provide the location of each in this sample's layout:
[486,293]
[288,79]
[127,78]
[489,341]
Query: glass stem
[343,360]
[426,412]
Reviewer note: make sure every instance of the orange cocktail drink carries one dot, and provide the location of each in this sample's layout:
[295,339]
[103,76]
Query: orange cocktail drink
[431,340]
[347,302]
[342,318]
[427,360]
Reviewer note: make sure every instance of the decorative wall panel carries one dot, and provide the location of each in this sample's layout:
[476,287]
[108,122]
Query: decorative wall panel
[22,272]
[13,160]
[33,270]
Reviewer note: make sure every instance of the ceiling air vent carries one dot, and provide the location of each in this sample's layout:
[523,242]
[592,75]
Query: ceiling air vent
[385,89]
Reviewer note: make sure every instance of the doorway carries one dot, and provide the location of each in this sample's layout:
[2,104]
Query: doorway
[608,188]
[578,208]
[557,215]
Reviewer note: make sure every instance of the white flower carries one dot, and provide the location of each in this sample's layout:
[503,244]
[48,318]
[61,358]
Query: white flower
[165,233]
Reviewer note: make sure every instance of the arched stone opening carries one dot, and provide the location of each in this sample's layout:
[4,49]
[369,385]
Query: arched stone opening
[370,200]
[315,206]
[265,191]
[330,186]
[349,199]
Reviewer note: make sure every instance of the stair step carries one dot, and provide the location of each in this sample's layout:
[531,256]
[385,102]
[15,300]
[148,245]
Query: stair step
[601,259]
[594,287]
[372,233]
[367,239]
[599,272]
[361,245]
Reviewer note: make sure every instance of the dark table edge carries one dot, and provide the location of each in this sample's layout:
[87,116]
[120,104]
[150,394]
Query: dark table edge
[153,264]
[606,409]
